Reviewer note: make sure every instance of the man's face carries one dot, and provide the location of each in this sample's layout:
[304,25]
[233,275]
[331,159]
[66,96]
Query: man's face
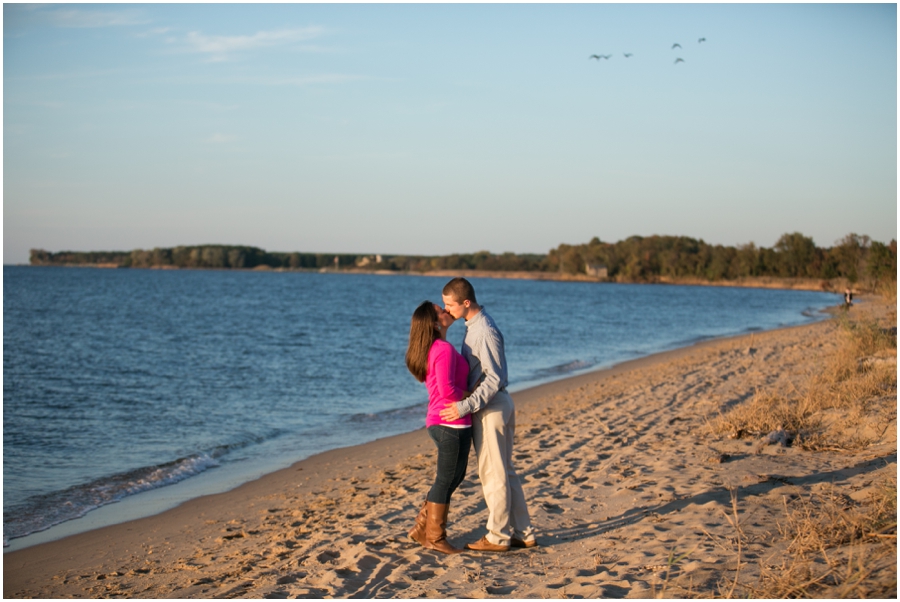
[455,309]
[444,318]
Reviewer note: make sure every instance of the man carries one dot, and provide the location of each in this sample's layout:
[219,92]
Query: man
[493,422]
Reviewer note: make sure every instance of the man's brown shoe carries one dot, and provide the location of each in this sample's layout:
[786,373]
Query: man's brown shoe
[483,545]
[518,543]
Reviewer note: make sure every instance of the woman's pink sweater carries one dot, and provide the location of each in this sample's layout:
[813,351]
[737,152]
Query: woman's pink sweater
[446,381]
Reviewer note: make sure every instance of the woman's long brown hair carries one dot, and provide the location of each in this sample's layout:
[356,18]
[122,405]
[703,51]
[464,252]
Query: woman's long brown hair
[422,335]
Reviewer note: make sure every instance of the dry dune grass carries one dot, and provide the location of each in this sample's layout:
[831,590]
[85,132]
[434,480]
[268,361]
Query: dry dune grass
[837,547]
[834,543]
[847,404]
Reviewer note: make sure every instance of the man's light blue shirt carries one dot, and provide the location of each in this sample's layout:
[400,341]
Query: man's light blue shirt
[484,350]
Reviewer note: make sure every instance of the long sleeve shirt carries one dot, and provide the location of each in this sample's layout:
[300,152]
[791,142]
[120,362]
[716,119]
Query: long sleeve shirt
[484,350]
[445,379]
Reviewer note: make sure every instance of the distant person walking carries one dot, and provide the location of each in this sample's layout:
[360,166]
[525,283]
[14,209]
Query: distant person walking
[434,361]
[493,422]
[848,298]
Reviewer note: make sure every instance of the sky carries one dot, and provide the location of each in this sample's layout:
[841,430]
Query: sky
[432,129]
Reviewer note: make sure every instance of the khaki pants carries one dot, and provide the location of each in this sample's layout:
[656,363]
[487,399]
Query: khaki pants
[493,429]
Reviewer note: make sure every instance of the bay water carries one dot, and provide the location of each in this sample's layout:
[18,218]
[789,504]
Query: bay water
[121,383]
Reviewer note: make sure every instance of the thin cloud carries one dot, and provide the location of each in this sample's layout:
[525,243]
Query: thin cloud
[156,31]
[329,78]
[213,106]
[220,47]
[219,139]
[76,17]
[308,80]
[64,75]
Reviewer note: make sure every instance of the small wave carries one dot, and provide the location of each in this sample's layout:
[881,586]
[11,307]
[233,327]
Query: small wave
[408,412]
[561,369]
[39,513]
[42,512]
[692,341]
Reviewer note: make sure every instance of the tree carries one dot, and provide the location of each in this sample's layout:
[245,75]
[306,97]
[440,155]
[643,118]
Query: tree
[796,254]
[848,254]
[882,261]
[40,257]
[747,261]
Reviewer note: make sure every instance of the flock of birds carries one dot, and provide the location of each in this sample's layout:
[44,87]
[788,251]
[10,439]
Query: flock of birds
[629,54]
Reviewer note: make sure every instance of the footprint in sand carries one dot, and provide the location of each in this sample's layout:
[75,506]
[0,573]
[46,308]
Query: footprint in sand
[500,590]
[552,508]
[292,578]
[367,563]
[328,556]
[311,592]
[421,575]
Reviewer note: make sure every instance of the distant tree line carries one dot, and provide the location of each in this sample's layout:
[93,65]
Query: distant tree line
[201,256]
[645,259]
[635,259]
[482,260]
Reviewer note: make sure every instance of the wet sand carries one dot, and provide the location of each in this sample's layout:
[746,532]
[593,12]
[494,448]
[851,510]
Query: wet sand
[619,467]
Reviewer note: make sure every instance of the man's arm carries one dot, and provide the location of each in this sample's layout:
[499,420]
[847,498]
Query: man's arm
[490,348]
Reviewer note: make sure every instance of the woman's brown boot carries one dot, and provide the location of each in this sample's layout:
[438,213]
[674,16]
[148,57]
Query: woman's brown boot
[417,533]
[436,528]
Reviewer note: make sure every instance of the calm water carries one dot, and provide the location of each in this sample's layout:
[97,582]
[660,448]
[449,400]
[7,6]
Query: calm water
[117,382]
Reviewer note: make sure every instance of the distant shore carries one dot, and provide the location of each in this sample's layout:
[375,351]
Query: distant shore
[804,284]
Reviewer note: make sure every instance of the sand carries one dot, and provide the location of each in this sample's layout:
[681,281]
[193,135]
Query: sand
[619,467]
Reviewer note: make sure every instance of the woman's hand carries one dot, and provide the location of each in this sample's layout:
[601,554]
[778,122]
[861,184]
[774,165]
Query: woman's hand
[450,413]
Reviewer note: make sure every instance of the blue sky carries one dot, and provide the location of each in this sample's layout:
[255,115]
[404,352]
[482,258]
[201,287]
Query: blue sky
[433,129]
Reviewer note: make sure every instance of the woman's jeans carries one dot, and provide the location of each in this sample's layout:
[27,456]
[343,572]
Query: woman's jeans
[453,456]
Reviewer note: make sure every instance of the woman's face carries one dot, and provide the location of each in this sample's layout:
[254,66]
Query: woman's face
[444,318]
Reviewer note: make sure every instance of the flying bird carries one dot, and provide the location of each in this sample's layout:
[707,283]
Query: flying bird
[679,60]
[594,56]
[627,54]
[701,40]
[676,45]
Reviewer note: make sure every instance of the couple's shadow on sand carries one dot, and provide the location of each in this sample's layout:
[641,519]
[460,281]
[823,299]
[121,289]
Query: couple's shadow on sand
[719,495]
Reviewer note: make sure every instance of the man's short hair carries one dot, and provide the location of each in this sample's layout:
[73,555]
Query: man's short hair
[461,290]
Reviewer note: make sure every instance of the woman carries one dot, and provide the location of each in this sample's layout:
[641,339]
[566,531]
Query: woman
[434,361]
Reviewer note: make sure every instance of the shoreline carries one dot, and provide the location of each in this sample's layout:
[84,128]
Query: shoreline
[332,524]
[164,499]
[835,285]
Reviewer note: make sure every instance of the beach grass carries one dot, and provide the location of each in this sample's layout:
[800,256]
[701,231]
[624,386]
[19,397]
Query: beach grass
[845,403]
[834,542]
[836,547]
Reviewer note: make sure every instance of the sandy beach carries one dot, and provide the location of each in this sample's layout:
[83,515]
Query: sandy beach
[635,481]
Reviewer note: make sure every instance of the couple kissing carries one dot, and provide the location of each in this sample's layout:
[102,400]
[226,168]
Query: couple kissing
[467,405]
